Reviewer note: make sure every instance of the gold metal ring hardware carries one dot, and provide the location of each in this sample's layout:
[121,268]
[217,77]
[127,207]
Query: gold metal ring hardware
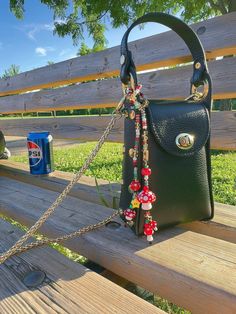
[194,91]
[198,65]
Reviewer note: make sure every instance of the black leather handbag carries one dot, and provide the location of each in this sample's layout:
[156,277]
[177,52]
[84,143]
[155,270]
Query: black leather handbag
[175,164]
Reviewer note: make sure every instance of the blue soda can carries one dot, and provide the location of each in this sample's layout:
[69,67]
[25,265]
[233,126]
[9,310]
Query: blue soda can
[40,152]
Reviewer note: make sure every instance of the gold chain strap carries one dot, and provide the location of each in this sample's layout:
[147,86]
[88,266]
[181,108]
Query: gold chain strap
[18,246]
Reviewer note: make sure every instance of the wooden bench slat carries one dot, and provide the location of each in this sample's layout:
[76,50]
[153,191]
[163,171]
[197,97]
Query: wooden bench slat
[223,225]
[156,51]
[107,93]
[85,189]
[223,128]
[185,267]
[69,287]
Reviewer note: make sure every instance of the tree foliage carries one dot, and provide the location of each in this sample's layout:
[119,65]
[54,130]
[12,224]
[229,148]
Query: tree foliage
[73,17]
[85,50]
[12,71]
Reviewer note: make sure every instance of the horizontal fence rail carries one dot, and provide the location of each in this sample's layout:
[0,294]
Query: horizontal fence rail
[171,83]
[166,49]
[91,128]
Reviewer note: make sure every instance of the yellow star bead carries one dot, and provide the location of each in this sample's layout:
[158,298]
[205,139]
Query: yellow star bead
[135,203]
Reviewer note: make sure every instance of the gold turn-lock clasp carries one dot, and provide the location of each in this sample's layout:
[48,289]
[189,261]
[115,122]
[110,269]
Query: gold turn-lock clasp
[184,141]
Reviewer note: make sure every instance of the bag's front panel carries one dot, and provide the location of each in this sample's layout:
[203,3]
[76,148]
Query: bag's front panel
[181,187]
[179,177]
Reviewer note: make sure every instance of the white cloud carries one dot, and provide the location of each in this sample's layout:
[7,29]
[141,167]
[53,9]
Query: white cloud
[31,30]
[48,27]
[64,52]
[31,33]
[43,51]
[37,28]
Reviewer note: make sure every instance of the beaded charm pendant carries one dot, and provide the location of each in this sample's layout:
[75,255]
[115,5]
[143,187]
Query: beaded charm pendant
[139,186]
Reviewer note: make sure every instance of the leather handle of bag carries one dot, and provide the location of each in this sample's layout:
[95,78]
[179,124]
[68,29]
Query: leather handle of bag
[200,71]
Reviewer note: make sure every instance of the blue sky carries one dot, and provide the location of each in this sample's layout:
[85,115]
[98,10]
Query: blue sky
[30,42]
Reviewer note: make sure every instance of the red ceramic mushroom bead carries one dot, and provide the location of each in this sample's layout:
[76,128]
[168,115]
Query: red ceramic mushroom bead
[129,214]
[135,185]
[146,196]
[152,197]
[148,230]
[153,225]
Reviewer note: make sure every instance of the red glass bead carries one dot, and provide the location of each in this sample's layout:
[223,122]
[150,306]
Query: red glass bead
[146,171]
[135,185]
[146,188]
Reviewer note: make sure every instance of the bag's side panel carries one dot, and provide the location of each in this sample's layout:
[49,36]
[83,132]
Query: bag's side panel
[2,143]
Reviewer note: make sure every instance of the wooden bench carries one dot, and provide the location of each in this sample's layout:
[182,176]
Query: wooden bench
[47,282]
[192,265]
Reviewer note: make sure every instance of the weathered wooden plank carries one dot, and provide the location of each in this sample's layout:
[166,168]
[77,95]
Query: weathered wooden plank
[222,226]
[190,269]
[67,288]
[223,130]
[91,128]
[217,35]
[85,189]
[78,128]
[164,84]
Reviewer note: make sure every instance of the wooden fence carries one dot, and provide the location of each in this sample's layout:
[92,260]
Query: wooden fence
[49,88]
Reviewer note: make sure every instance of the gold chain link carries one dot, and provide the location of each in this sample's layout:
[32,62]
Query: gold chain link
[18,246]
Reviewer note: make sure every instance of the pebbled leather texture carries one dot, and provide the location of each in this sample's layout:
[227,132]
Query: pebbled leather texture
[181,180]
[168,121]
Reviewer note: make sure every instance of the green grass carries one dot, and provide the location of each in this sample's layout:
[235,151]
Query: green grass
[224,177]
[108,166]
